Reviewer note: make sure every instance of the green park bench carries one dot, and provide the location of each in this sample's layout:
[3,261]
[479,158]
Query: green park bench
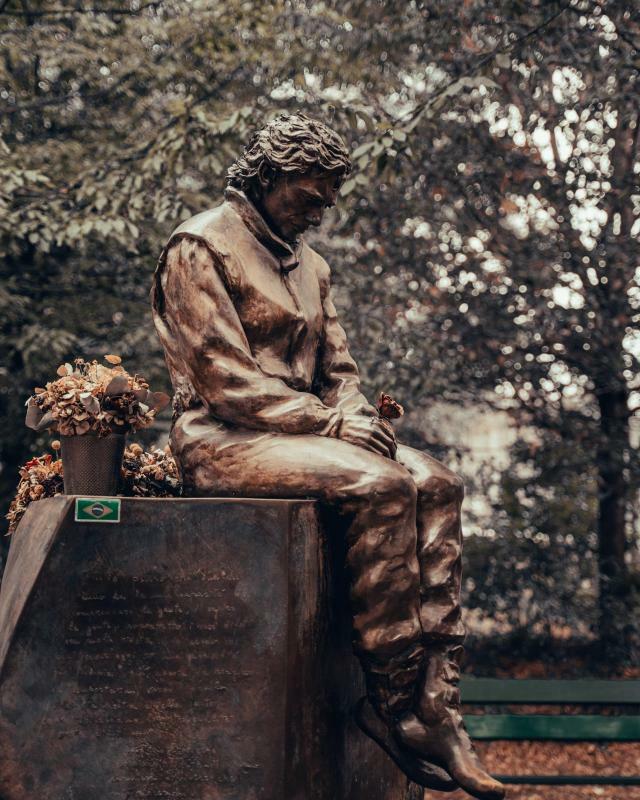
[560,728]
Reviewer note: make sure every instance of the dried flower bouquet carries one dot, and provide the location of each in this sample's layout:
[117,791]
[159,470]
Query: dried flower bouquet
[40,477]
[150,473]
[92,397]
[145,473]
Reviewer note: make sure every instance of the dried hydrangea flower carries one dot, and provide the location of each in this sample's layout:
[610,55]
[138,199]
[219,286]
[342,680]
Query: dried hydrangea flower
[90,397]
[40,477]
[151,473]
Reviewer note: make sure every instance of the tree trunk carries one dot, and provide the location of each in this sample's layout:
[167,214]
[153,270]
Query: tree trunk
[614,443]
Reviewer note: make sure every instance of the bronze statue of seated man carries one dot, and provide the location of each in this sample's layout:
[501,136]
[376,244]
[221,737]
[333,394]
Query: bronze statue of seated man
[267,404]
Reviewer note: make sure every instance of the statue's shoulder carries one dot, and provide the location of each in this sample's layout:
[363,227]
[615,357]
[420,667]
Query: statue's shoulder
[216,226]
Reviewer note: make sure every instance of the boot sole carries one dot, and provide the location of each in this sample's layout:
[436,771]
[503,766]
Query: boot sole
[465,781]
[415,768]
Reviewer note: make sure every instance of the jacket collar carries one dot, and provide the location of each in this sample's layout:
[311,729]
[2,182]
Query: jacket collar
[287,254]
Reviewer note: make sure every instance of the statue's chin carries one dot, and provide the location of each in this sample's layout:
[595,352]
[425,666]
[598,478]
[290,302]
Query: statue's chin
[295,230]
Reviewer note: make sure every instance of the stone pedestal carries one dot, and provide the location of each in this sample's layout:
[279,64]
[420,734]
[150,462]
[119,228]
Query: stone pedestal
[198,649]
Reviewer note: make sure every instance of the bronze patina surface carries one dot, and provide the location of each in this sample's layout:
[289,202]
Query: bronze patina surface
[268,404]
[197,650]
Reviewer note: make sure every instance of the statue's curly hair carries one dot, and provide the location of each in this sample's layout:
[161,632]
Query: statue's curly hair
[291,143]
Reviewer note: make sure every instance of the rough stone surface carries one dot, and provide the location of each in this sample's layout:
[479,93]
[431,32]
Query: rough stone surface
[197,650]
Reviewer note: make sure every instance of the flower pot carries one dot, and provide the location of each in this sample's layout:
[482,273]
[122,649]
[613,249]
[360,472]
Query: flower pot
[92,463]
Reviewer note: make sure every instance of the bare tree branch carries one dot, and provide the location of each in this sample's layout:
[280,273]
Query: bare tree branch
[483,61]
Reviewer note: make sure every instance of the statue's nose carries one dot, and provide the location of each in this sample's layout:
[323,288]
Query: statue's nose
[314,218]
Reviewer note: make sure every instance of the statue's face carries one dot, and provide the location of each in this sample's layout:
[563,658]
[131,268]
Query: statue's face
[296,202]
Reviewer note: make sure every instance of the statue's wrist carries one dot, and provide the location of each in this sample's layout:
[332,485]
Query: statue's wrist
[334,432]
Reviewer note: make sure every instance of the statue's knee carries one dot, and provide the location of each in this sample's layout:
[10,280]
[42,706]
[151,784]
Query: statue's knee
[391,482]
[457,486]
[445,487]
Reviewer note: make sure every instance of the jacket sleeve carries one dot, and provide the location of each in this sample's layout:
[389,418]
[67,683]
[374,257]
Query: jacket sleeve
[337,376]
[213,349]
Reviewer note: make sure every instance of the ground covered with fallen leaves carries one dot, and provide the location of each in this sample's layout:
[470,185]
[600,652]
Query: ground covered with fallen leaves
[548,758]
[556,758]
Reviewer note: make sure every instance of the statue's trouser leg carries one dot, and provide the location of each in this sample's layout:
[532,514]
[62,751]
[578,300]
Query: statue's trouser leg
[440,493]
[376,495]
[438,731]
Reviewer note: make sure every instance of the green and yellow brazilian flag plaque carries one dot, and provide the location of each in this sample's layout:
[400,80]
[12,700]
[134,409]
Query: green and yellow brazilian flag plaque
[97,509]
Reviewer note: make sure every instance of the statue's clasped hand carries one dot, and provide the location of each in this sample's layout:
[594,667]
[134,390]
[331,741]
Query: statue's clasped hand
[371,432]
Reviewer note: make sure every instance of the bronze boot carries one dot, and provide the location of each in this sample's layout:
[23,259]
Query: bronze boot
[436,730]
[390,696]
